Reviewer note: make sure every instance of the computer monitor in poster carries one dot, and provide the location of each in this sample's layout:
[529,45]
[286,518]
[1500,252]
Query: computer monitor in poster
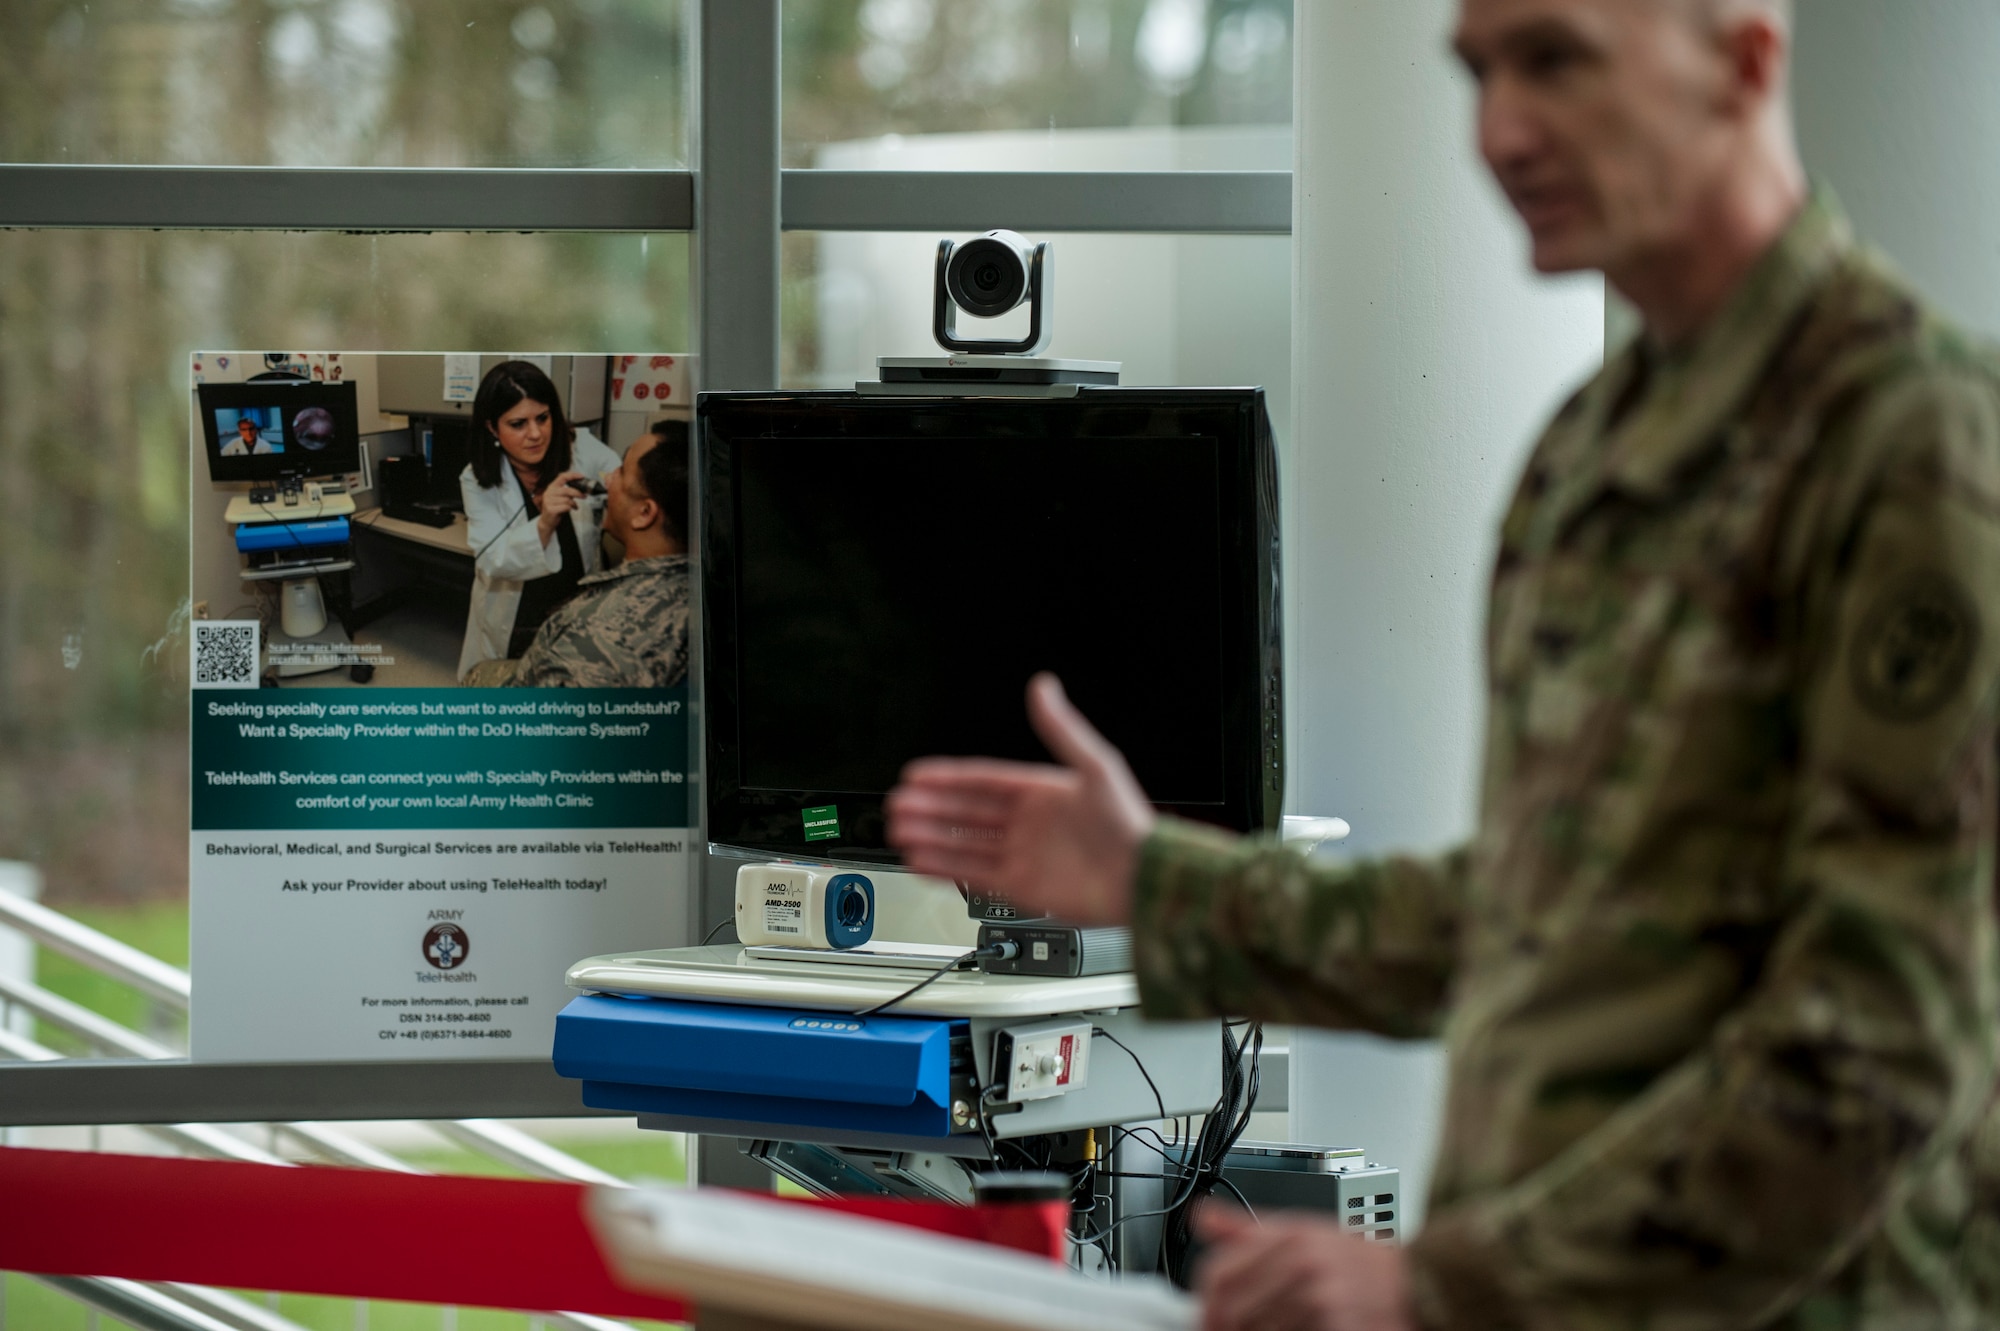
[882,576]
[270,432]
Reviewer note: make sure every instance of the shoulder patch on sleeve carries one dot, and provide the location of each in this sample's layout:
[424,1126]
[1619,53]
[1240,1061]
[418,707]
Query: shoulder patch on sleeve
[1913,648]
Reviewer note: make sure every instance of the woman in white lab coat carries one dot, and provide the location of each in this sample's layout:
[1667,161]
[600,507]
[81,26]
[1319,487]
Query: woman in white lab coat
[534,532]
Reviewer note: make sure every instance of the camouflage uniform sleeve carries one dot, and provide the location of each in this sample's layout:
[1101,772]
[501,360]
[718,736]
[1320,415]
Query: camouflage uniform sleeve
[497,673]
[551,659]
[627,633]
[1248,928]
[1727,1191]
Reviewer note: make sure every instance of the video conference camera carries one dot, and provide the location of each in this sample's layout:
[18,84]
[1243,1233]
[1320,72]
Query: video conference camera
[992,275]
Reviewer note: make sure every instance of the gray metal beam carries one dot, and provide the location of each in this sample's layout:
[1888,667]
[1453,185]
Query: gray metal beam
[736,289]
[232,198]
[85,1091]
[450,199]
[1256,202]
[736,195]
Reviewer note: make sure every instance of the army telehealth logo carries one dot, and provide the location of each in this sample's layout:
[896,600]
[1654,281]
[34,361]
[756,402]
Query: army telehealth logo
[1914,647]
[446,946]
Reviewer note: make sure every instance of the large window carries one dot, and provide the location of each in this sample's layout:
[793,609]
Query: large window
[468,174]
[892,69]
[559,175]
[96,328]
[344,82]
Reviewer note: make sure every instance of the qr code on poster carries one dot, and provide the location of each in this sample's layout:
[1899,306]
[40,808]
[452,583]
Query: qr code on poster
[225,653]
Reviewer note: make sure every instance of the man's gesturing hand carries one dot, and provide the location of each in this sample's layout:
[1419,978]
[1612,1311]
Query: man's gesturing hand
[1063,839]
[1297,1273]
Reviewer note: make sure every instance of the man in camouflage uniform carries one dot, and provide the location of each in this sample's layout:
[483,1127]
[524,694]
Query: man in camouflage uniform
[627,627]
[1717,974]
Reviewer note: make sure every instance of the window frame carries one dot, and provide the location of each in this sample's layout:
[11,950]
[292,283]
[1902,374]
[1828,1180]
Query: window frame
[735,202]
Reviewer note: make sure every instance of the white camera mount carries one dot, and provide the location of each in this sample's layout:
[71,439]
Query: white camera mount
[988,276]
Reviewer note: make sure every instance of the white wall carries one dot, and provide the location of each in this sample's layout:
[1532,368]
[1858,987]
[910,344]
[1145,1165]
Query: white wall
[1426,358]
[1899,111]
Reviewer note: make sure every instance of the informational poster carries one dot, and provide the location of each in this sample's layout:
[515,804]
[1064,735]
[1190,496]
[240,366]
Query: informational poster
[409,817]
[461,377]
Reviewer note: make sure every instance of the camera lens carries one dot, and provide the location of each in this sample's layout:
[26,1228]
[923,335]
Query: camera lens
[987,277]
[852,908]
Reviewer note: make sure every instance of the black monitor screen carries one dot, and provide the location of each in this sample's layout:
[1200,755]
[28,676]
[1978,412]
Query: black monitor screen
[450,451]
[896,596]
[890,591]
[267,431]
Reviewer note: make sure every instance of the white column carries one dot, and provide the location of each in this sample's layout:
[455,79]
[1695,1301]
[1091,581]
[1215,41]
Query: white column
[1899,111]
[1426,358]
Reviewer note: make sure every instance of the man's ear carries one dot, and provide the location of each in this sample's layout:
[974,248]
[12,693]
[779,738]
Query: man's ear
[1757,48]
[645,515]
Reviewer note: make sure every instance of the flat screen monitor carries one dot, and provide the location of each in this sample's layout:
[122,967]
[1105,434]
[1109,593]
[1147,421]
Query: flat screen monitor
[266,432]
[450,451]
[883,575]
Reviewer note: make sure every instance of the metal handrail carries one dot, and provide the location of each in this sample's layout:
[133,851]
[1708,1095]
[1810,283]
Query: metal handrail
[529,1154]
[224,1307]
[139,1305]
[80,1021]
[21,1047]
[486,1136]
[101,952]
[166,1306]
[209,1140]
[337,1146]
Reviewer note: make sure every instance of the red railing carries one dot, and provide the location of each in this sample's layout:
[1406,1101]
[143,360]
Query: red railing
[353,1233]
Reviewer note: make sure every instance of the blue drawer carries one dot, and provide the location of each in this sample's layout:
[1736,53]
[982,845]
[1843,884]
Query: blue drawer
[764,1065]
[291,535]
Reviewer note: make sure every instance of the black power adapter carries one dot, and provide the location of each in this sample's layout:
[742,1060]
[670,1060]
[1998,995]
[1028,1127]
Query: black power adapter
[1062,950]
[991,907]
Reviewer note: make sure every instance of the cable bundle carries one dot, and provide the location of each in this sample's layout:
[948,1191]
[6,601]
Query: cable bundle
[1202,1168]
[1192,1173]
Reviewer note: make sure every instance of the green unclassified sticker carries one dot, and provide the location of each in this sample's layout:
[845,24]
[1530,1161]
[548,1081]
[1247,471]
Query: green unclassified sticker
[823,823]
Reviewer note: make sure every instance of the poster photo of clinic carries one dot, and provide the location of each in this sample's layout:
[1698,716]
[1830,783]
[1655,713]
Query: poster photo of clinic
[404,520]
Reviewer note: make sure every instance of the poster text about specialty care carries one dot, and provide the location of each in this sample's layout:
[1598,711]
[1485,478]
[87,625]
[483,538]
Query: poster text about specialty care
[407,873]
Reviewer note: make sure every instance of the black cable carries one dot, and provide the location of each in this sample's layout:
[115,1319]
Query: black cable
[1204,1160]
[1157,1098]
[722,924]
[1169,1209]
[505,527]
[509,524]
[1085,1182]
[277,516]
[1169,1151]
[990,950]
[280,520]
[985,1128]
[1241,1200]
[1220,1130]
[1180,1126]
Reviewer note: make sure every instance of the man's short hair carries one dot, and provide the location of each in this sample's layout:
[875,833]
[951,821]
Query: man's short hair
[1714,11]
[663,470]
